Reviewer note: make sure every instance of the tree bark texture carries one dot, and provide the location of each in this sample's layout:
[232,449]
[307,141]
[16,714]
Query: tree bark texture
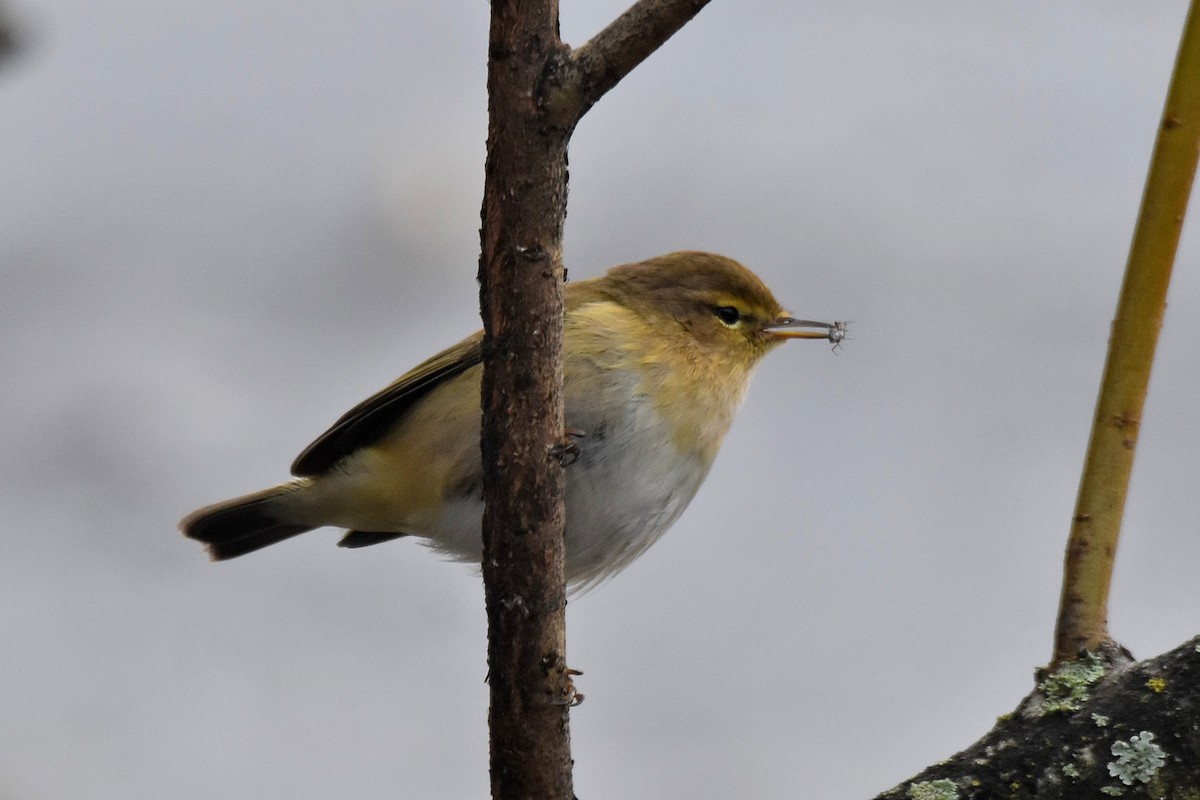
[521,276]
[1129,730]
[537,92]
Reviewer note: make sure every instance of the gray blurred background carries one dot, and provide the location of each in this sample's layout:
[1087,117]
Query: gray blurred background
[222,224]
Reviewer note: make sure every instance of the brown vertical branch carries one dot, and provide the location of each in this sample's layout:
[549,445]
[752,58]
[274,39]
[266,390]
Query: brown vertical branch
[537,92]
[1083,610]
[521,275]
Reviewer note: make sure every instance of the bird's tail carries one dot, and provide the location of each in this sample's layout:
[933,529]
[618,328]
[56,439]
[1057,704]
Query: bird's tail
[244,524]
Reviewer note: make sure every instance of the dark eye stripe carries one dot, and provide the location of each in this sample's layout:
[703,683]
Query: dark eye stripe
[728,314]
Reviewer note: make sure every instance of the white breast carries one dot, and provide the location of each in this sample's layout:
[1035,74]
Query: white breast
[629,484]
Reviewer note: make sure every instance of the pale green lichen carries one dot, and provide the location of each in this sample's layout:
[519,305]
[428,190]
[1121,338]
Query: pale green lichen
[1070,770]
[1100,720]
[1137,760]
[933,790]
[1112,791]
[1066,689]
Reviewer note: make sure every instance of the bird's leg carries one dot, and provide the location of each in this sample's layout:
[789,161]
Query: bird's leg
[567,451]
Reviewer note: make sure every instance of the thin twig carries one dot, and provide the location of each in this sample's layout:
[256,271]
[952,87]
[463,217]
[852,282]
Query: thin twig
[1083,610]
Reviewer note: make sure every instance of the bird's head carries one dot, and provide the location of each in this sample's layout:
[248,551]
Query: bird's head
[710,301]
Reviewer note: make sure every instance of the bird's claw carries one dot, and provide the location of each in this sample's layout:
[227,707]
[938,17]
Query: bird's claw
[567,451]
[568,697]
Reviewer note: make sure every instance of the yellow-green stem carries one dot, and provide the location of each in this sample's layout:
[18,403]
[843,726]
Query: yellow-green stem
[1083,611]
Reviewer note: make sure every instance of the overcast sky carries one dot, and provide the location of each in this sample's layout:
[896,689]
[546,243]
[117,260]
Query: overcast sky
[222,224]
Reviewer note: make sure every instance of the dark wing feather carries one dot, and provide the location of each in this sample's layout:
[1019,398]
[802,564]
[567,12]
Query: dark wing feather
[371,419]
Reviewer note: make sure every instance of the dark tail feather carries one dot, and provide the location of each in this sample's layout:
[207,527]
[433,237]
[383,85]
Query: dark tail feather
[242,525]
[222,551]
[367,538]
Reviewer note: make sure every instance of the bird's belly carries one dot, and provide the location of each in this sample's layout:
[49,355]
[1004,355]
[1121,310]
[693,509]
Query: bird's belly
[618,505]
[623,491]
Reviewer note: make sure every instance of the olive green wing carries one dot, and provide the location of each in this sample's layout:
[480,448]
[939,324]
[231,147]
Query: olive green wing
[371,419]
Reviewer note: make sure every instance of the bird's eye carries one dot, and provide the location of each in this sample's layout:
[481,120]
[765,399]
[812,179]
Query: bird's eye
[728,315]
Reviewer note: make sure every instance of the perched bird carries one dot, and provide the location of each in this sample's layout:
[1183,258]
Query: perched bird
[657,357]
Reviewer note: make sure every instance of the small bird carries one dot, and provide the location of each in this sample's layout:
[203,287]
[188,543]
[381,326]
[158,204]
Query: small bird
[657,357]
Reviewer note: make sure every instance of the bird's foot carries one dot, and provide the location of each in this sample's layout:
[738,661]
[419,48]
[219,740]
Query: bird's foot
[568,696]
[567,451]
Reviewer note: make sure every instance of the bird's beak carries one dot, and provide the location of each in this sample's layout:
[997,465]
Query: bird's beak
[792,328]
